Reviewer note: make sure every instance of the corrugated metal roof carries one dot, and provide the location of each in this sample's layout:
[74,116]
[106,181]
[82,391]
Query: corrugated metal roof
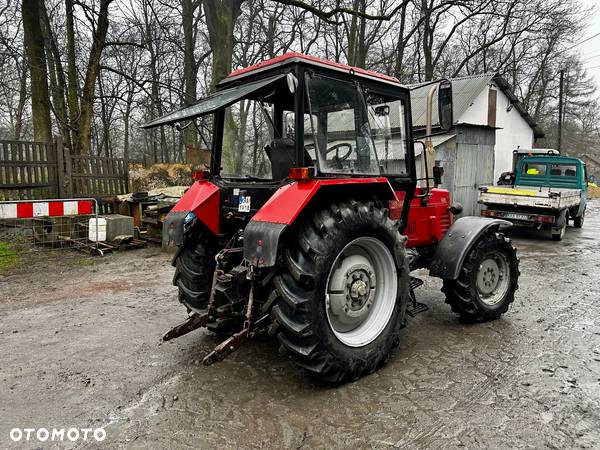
[435,140]
[464,93]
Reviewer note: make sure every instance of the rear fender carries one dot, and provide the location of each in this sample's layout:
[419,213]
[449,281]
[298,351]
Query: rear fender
[450,254]
[202,199]
[263,233]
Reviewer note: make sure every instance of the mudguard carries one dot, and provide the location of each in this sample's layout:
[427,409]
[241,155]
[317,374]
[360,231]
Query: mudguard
[202,198]
[263,232]
[452,250]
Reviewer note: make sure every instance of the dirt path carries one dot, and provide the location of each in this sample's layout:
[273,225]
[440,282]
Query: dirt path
[80,347]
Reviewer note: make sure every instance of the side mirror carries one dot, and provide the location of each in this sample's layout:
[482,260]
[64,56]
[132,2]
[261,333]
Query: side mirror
[445,105]
[384,112]
[292,82]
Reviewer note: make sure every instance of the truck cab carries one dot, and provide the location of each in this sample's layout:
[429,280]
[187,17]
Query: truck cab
[555,172]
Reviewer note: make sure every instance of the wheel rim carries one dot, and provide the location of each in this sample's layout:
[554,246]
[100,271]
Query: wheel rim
[361,291]
[493,278]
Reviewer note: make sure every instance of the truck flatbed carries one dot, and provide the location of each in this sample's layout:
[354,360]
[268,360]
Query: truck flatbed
[527,196]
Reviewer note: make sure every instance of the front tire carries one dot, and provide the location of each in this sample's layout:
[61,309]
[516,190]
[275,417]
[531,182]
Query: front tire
[488,279]
[342,294]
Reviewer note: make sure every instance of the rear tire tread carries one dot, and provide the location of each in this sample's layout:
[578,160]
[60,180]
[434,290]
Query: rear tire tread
[299,306]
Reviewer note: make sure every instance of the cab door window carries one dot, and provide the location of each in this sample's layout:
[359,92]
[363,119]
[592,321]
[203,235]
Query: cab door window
[340,126]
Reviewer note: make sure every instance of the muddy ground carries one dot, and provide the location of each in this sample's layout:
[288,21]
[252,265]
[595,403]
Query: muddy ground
[80,346]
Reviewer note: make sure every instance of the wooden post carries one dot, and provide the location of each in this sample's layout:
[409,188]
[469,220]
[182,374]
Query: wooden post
[68,169]
[60,166]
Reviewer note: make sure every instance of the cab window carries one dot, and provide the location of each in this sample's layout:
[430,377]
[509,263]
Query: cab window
[340,125]
[387,121]
[535,169]
[563,170]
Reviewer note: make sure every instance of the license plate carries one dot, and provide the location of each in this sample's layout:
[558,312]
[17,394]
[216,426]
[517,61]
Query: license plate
[244,204]
[516,216]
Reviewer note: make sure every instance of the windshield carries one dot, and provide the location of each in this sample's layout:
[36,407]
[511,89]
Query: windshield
[340,126]
[388,129]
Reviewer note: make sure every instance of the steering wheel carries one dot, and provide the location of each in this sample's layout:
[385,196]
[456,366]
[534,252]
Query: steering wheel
[337,158]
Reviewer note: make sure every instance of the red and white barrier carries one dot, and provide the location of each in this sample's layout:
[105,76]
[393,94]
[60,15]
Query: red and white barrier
[51,208]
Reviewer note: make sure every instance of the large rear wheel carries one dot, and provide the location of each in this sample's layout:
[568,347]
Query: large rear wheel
[488,279]
[194,267]
[341,297]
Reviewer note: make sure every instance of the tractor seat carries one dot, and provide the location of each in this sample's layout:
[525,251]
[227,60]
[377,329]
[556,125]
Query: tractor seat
[281,154]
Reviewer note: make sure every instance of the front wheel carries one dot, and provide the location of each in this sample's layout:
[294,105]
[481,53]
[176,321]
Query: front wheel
[341,298]
[488,279]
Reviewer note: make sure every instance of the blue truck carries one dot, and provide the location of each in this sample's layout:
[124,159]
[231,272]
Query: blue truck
[549,190]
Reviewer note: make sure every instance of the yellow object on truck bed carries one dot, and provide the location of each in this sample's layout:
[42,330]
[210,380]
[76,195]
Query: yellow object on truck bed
[512,191]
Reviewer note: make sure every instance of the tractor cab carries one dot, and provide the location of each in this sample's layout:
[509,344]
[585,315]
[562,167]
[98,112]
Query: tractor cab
[297,118]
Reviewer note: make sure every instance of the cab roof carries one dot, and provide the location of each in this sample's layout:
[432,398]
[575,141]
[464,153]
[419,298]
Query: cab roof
[551,159]
[294,57]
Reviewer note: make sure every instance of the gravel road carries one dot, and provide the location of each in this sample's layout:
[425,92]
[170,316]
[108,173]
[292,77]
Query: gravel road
[80,347]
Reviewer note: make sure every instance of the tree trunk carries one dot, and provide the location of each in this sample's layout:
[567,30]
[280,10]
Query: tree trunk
[73,85]
[87,99]
[427,40]
[190,67]
[221,16]
[57,77]
[34,46]
[22,100]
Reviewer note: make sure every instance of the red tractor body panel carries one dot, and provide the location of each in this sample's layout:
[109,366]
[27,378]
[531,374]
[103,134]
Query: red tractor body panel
[289,200]
[427,224]
[203,199]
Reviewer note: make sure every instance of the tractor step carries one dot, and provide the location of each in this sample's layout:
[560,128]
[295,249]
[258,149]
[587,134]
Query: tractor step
[414,307]
[415,283]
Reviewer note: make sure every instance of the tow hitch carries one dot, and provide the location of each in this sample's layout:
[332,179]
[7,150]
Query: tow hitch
[250,329]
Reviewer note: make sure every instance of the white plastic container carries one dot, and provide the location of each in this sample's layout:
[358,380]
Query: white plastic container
[97,229]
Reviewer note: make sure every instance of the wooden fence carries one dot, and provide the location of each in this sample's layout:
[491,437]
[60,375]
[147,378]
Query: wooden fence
[39,170]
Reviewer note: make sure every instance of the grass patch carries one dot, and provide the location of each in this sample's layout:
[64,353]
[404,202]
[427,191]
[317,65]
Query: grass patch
[8,257]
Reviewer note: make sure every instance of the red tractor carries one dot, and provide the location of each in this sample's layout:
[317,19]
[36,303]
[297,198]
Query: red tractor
[309,221]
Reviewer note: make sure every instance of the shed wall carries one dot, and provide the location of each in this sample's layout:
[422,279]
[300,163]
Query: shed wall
[513,131]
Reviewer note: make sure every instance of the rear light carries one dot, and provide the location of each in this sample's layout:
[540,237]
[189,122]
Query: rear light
[545,219]
[199,175]
[488,213]
[299,173]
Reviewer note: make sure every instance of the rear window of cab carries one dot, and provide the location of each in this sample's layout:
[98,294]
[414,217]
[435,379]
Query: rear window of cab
[556,170]
[563,170]
[535,169]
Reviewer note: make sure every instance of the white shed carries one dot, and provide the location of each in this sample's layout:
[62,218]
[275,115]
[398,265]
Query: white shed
[485,100]
[489,123]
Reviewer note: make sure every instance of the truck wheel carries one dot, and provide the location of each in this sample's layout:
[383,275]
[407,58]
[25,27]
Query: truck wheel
[488,279]
[341,296]
[194,267]
[559,233]
[578,221]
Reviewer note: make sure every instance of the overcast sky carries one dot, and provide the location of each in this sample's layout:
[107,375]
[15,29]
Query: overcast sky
[590,50]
